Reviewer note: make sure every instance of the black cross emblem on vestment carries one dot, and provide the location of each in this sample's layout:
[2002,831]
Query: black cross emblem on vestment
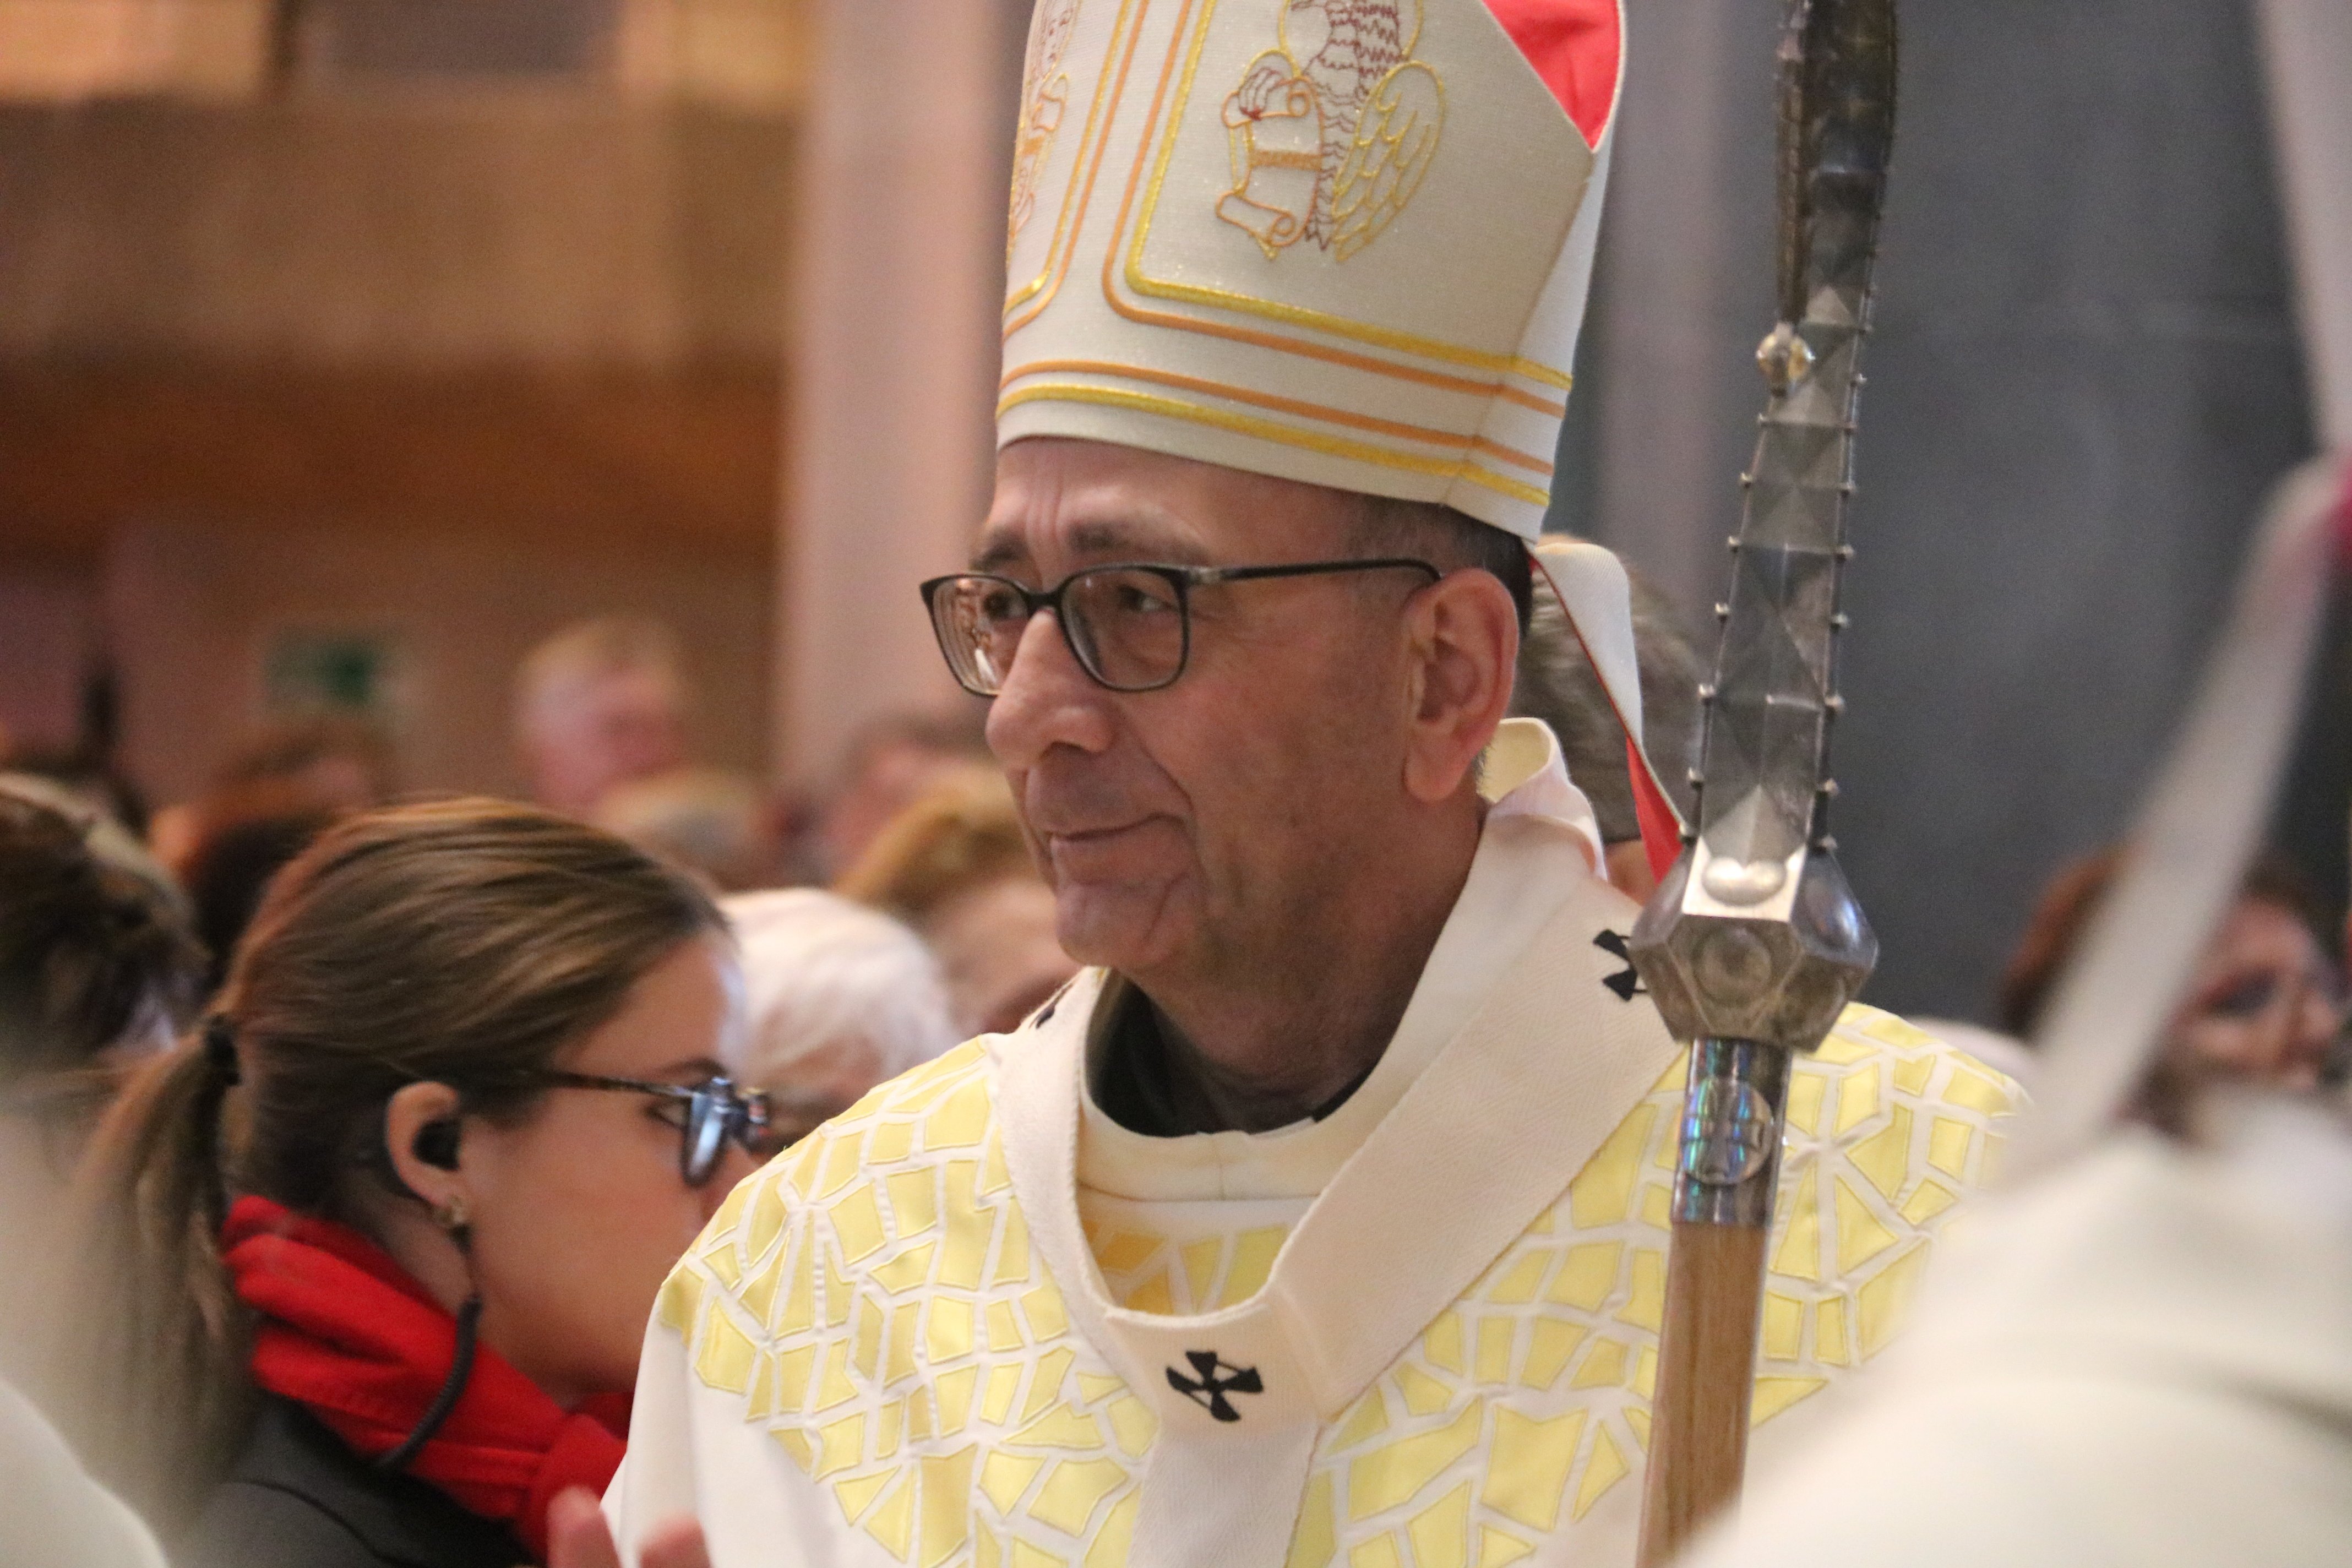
[1627,982]
[1213,1380]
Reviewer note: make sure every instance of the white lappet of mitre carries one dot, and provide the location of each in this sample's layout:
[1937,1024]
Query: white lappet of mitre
[1339,241]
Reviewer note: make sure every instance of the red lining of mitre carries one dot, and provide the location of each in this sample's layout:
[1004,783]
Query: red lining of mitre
[1575,48]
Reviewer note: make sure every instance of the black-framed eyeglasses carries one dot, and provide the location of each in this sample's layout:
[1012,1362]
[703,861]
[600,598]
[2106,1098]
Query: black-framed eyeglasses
[1130,625]
[713,1113]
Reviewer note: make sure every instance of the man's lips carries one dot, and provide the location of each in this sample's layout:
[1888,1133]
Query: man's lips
[1080,838]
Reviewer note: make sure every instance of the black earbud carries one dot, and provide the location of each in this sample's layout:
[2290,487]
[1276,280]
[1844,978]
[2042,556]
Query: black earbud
[437,1144]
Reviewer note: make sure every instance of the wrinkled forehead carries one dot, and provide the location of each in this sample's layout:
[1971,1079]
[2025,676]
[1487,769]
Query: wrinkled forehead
[1062,504]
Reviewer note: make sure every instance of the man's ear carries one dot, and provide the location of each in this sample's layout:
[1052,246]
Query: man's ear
[1463,644]
[423,1139]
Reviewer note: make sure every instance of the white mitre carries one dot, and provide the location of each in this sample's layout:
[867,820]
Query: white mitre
[1339,241]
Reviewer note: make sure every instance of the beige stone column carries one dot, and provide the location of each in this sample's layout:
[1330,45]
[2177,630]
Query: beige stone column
[892,350]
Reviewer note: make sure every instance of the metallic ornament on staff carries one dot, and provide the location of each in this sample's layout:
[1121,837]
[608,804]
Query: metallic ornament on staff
[1754,943]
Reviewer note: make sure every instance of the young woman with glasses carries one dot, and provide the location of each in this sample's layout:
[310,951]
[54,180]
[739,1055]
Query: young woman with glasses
[377,1244]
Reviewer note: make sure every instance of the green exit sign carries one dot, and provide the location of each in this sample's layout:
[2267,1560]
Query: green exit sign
[331,672]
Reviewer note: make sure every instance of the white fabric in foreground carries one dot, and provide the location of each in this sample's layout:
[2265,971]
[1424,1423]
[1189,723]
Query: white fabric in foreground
[2145,1358]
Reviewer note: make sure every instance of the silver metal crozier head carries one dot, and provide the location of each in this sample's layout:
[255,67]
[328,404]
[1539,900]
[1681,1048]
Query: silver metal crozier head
[1781,977]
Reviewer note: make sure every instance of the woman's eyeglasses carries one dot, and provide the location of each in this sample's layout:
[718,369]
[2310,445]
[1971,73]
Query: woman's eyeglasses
[1129,627]
[712,1114]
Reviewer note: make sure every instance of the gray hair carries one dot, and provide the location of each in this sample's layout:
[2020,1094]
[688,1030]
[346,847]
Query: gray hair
[561,668]
[823,975]
[1557,684]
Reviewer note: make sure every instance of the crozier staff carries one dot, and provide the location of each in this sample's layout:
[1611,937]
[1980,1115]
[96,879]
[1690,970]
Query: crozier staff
[1322,1218]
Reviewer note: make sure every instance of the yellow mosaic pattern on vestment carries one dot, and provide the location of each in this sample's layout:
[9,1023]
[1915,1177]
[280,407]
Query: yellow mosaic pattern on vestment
[1530,1400]
[1183,1274]
[873,1299]
[877,1306]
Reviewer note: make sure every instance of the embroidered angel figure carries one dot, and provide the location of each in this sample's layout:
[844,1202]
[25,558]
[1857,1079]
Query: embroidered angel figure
[1331,132]
[1044,98]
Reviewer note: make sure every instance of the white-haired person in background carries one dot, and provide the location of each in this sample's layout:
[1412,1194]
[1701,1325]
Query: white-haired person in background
[599,704]
[839,999]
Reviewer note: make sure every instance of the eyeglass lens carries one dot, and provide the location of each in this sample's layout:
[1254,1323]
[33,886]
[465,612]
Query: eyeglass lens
[706,1131]
[980,622]
[1127,628]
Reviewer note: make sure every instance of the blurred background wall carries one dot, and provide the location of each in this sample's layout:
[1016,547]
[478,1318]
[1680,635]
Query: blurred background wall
[347,346]
[2086,373]
[369,341]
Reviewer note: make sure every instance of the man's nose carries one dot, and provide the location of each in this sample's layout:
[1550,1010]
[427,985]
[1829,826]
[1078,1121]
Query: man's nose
[1047,700]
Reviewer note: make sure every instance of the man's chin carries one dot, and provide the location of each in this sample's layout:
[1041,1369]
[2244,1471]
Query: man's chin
[1123,926]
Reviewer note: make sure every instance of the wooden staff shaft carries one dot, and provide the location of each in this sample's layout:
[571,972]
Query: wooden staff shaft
[1707,1376]
[1727,1171]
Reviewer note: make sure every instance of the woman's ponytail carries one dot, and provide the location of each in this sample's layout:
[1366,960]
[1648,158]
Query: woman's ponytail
[157,1337]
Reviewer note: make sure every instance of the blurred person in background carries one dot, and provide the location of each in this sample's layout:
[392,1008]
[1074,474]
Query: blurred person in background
[91,779]
[374,1247]
[337,758]
[243,839]
[890,764]
[338,762]
[839,998]
[955,866]
[601,703]
[108,836]
[98,970]
[1556,683]
[2265,1006]
[283,787]
[719,825]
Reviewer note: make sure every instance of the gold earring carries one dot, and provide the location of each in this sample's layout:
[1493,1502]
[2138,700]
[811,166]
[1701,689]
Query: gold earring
[450,1214]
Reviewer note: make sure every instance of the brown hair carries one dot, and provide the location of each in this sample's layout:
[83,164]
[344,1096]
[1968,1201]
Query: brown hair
[91,953]
[961,834]
[292,748]
[466,942]
[2073,897]
[1448,540]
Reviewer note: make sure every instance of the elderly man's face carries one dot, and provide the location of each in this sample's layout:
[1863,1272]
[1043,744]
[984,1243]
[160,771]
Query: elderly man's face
[621,727]
[1206,820]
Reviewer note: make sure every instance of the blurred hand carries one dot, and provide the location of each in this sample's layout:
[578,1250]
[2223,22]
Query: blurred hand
[578,1537]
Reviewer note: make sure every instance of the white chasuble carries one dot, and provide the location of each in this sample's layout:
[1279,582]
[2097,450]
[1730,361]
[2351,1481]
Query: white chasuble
[972,1322]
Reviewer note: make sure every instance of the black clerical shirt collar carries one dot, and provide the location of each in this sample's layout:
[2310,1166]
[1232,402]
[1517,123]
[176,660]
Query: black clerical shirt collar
[1139,1084]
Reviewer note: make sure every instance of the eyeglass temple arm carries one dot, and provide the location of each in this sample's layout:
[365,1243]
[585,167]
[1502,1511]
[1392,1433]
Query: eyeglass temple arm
[1205,576]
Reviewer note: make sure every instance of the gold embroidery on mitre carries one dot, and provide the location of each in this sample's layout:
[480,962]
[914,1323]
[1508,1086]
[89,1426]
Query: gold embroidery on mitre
[1331,132]
[1044,100]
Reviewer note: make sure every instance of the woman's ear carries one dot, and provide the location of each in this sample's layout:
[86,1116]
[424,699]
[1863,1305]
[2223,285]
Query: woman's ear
[423,1139]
